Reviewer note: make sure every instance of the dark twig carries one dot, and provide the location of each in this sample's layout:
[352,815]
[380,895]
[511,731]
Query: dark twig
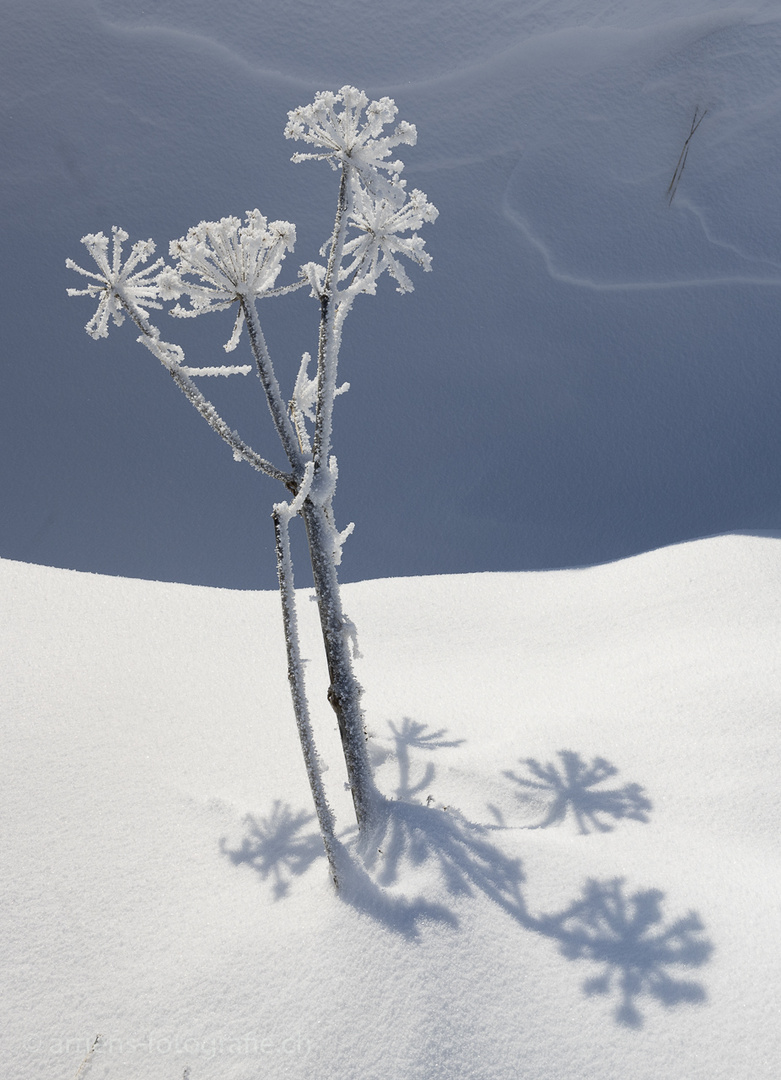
[88,1059]
[696,121]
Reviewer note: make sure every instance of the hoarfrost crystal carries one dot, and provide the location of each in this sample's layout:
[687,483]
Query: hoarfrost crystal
[230,262]
[117,286]
[380,222]
[341,136]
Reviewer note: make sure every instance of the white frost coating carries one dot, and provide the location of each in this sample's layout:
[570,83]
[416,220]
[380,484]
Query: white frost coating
[322,494]
[287,510]
[379,222]
[236,369]
[170,356]
[324,490]
[314,274]
[373,202]
[115,281]
[343,140]
[337,541]
[303,404]
[230,262]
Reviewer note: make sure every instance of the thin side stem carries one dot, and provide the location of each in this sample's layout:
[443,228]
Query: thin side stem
[328,341]
[152,341]
[279,413]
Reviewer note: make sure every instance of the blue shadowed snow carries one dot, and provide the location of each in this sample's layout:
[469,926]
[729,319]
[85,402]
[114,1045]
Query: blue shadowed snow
[589,371]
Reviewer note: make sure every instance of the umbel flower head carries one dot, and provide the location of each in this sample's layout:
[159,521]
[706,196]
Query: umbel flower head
[117,286]
[380,223]
[229,261]
[345,136]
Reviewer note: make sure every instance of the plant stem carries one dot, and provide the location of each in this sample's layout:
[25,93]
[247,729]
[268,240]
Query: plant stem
[330,331]
[344,691]
[151,339]
[295,675]
[279,414]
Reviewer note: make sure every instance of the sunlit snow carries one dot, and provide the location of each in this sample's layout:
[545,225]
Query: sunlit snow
[578,879]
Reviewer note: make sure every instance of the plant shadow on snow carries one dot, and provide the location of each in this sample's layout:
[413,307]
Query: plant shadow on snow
[628,937]
[276,846]
[625,933]
[410,836]
[412,735]
[577,788]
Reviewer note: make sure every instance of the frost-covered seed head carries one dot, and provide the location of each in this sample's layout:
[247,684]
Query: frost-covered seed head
[344,137]
[229,262]
[380,223]
[117,286]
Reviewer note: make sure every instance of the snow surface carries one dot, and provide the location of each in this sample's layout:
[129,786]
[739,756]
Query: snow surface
[164,886]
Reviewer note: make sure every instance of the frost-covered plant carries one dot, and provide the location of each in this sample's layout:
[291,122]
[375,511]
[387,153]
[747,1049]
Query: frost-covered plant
[224,263]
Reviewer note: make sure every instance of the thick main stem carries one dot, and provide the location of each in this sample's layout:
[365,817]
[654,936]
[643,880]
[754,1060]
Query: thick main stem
[344,691]
[295,676]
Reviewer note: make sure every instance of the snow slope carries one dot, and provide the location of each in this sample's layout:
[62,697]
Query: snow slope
[164,886]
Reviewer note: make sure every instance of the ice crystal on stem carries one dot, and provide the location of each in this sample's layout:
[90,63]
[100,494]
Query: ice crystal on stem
[117,285]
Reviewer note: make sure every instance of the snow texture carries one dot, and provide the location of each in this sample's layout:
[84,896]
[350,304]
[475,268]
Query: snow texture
[165,883]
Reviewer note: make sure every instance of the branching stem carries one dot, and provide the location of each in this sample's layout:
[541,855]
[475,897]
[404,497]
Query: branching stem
[234,262]
[151,338]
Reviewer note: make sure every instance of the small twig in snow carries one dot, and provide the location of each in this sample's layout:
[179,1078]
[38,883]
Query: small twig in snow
[696,121]
[86,1062]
